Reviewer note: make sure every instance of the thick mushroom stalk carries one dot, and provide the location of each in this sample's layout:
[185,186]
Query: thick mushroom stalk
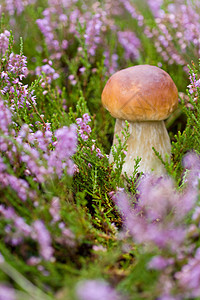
[144,136]
[144,96]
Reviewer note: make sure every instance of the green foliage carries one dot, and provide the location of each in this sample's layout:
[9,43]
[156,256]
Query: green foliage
[140,280]
[187,140]
[119,153]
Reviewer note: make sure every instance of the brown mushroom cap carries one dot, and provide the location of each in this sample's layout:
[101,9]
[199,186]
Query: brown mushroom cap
[140,93]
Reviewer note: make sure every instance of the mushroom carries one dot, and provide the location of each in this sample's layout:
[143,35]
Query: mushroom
[145,96]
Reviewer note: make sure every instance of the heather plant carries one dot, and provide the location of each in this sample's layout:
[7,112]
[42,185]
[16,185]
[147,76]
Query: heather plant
[155,220]
[71,226]
[36,158]
[172,28]
[188,139]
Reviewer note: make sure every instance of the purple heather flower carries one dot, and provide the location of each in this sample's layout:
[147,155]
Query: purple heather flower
[99,248]
[82,69]
[72,79]
[79,121]
[11,6]
[18,229]
[186,201]
[4,41]
[66,141]
[55,209]
[1,258]
[43,139]
[64,44]
[189,276]
[86,118]
[8,213]
[3,167]
[155,7]
[7,293]
[48,71]
[83,129]
[178,25]
[194,84]
[96,290]
[191,162]
[5,118]
[32,261]
[16,66]
[99,154]
[110,62]
[44,239]
[22,226]
[92,33]
[160,263]
[156,199]
[148,222]
[130,8]
[64,149]
[130,43]
[18,185]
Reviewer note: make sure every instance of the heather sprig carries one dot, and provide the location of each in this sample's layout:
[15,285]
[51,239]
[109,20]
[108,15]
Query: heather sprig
[94,22]
[119,153]
[13,70]
[156,220]
[40,160]
[4,41]
[48,73]
[188,139]
[96,290]
[15,7]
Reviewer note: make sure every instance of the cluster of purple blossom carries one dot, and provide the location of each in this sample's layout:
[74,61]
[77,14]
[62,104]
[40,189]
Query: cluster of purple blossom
[98,151]
[156,220]
[67,16]
[7,293]
[72,79]
[97,20]
[13,6]
[55,17]
[41,155]
[127,39]
[49,72]
[83,128]
[194,84]
[17,184]
[176,31]
[17,230]
[27,147]
[97,290]
[175,35]
[33,149]
[84,131]
[4,41]
[173,48]
[15,69]
[92,34]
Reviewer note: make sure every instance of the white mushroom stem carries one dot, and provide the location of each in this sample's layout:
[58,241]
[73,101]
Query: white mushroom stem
[144,136]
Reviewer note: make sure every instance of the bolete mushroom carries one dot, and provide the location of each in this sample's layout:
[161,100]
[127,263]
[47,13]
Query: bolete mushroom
[145,96]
